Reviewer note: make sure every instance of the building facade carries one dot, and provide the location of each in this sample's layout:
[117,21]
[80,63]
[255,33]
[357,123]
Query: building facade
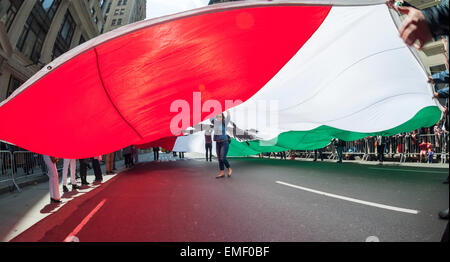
[123,12]
[34,32]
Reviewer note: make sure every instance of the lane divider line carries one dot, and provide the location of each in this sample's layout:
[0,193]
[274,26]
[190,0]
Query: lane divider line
[409,170]
[84,222]
[367,203]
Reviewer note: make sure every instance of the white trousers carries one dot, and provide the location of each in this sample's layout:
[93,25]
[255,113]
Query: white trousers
[73,169]
[53,178]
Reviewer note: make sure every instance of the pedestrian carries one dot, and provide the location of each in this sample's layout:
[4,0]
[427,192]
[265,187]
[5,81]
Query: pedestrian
[97,169]
[430,153]
[155,153]
[208,144]
[114,162]
[109,163]
[423,150]
[72,163]
[127,151]
[133,152]
[83,171]
[437,130]
[136,155]
[320,154]
[220,123]
[339,144]
[381,142]
[283,155]
[53,181]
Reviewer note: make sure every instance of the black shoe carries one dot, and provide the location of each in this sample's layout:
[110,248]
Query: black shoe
[85,183]
[443,214]
[65,189]
[75,187]
[52,200]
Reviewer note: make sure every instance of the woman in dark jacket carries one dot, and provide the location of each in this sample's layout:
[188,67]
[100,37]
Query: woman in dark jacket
[220,123]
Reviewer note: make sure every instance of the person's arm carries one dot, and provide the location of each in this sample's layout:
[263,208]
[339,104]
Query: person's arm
[443,93]
[440,78]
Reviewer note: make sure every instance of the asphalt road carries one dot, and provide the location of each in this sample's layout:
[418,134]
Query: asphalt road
[264,200]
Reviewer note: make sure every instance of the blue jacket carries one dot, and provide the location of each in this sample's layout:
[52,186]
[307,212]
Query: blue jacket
[442,78]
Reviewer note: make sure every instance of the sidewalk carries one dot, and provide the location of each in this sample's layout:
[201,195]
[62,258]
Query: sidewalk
[22,180]
[21,210]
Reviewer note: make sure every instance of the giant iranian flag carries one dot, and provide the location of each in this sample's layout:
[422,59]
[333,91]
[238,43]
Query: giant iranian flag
[293,73]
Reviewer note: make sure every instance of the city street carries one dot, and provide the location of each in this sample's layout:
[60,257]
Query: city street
[332,113]
[263,200]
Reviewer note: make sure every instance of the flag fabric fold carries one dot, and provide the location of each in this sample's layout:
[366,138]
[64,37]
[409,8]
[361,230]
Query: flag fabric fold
[301,71]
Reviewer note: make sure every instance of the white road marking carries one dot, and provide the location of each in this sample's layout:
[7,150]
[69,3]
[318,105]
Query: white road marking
[72,235]
[399,209]
[409,170]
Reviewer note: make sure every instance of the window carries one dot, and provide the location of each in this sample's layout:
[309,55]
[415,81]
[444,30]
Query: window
[11,12]
[14,83]
[122,11]
[101,3]
[64,38]
[31,39]
[109,7]
[113,22]
[82,40]
[124,2]
[49,7]
[119,3]
[92,11]
[119,21]
[95,20]
[36,27]
[68,28]
[116,12]
[47,4]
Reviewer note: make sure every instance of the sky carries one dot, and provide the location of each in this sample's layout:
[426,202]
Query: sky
[157,8]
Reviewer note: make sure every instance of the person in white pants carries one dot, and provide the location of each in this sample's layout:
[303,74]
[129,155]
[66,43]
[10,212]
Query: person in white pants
[73,169]
[53,180]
